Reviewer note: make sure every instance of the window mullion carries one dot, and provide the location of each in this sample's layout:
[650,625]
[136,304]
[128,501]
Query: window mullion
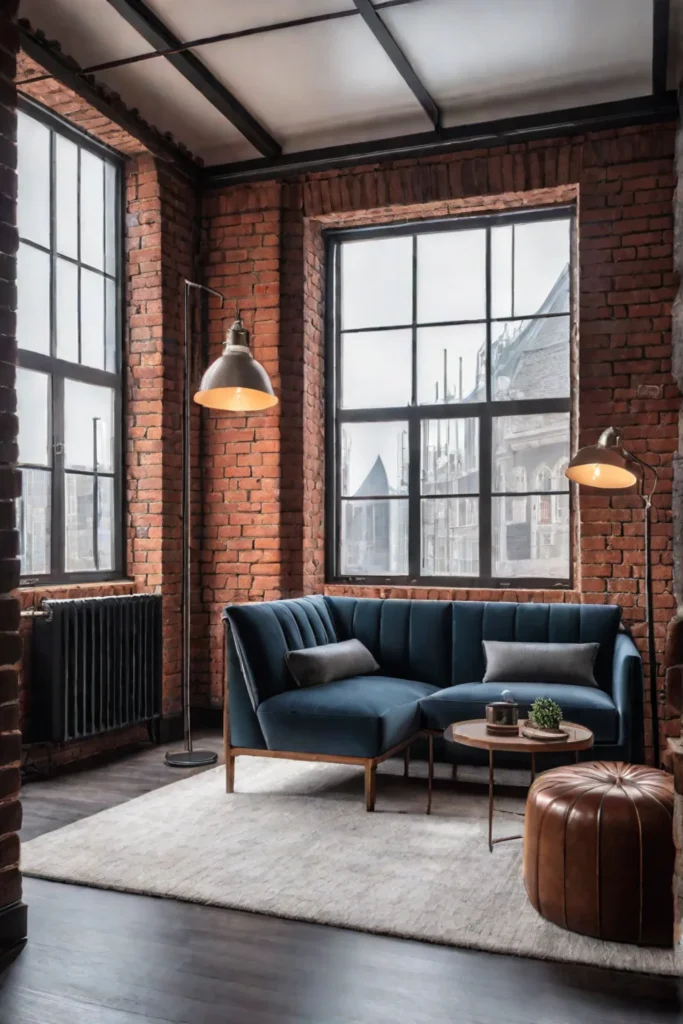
[58,523]
[414,453]
[414,503]
[485,440]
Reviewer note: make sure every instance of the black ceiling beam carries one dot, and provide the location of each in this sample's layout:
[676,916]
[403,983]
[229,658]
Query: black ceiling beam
[660,45]
[144,21]
[398,58]
[574,121]
[63,70]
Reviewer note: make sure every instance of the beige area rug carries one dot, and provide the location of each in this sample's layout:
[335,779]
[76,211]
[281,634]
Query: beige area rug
[295,841]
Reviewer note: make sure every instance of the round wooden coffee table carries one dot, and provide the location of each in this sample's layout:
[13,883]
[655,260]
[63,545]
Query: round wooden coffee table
[473,733]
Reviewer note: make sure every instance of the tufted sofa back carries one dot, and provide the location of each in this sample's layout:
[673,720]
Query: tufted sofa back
[438,642]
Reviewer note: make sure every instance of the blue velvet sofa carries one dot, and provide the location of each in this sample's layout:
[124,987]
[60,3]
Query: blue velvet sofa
[431,665]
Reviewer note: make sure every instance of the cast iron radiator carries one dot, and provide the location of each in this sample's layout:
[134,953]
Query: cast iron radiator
[96,666]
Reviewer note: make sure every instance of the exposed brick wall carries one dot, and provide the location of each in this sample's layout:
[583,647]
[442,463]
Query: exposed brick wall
[246,528]
[622,182]
[10,482]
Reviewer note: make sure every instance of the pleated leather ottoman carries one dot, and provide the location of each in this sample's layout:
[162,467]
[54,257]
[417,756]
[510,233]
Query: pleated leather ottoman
[599,851]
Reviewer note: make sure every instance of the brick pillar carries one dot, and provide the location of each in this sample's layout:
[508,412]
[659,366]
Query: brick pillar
[12,910]
[674,653]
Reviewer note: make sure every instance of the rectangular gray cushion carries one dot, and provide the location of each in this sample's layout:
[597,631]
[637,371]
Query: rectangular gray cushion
[518,662]
[314,665]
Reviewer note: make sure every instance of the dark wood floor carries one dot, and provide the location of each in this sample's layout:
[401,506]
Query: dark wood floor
[52,803]
[97,957]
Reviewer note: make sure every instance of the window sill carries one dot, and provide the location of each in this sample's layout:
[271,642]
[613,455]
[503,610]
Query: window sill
[559,596]
[42,590]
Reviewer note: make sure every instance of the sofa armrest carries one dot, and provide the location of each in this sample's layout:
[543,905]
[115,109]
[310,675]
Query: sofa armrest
[627,693]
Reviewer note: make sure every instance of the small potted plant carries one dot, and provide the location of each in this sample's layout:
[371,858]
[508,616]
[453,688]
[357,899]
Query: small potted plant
[543,722]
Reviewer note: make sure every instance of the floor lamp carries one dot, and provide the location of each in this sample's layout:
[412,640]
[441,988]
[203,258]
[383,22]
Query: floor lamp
[235,382]
[610,466]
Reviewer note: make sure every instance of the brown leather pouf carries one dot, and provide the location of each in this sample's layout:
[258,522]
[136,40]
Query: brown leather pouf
[599,851]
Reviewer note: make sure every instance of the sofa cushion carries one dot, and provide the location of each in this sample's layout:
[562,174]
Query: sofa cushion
[362,716]
[584,705]
[474,621]
[313,666]
[409,639]
[541,663]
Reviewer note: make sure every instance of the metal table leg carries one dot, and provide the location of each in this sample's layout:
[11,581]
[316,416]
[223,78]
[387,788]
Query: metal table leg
[502,839]
[490,799]
[430,772]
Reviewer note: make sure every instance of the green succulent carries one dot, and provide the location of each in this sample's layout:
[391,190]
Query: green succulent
[544,713]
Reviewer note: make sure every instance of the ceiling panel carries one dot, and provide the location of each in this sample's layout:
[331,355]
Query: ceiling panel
[92,32]
[318,84]
[213,17]
[482,59]
[331,83]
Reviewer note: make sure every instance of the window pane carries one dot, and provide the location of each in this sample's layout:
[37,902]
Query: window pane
[33,408]
[530,358]
[450,536]
[33,299]
[451,276]
[525,447]
[450,456]
[110,211]
[531,536]
[501,271]
[33,179]
[377,282]
[110,325]
[451,364]
[374,537]
[66,209]
[105,522]
[33,513]
[376,369]
[88,408]
[92,210]
[78,513]
[541,267]
[67,311]
[374,459]
[92,319]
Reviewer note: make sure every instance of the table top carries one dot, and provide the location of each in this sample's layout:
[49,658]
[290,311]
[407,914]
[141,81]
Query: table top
[473,734]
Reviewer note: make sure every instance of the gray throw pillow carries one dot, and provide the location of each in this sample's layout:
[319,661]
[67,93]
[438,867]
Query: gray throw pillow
[314,665]
[518,662]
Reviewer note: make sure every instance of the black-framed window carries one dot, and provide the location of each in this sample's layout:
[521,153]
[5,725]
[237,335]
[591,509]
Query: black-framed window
[69,380]
[448,398]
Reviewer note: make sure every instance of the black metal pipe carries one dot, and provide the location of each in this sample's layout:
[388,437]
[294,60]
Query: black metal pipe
[649,617]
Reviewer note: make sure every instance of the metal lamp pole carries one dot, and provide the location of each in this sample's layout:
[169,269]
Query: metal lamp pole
[188,757]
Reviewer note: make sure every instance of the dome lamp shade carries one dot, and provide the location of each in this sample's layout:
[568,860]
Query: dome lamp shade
[236,382]
[605,465]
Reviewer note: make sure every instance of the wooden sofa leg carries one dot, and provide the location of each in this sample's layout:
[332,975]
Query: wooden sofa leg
[406,762]
[230,774]
[370,776]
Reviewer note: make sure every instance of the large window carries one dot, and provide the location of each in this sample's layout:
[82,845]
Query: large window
[68,330]
[448,384]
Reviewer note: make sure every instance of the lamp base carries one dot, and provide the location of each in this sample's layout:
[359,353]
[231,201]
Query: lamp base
[190,758]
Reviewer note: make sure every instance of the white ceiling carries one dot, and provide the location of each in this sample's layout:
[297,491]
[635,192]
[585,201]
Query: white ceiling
[332,83]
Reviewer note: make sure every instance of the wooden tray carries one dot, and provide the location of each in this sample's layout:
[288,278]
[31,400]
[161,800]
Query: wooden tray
[544,735]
